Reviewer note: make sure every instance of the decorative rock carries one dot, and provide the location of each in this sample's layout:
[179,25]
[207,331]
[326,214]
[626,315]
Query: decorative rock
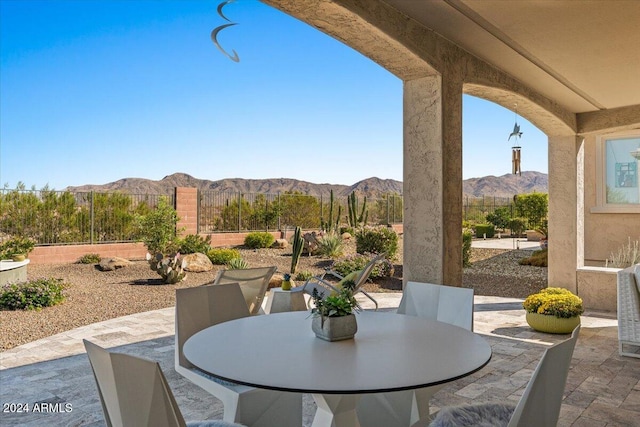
[280,243]
[345,236]
[198,263]
[114,263]
[310,242]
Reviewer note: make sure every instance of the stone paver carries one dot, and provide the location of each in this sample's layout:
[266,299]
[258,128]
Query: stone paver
[603,389]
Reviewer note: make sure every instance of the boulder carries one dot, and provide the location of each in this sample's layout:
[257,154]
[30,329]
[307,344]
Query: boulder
[111,264]
[280,243]
[197,263]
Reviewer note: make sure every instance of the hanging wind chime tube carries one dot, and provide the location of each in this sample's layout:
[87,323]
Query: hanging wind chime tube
[515,150]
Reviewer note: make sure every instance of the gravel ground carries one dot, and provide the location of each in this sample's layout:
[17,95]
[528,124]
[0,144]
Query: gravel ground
[94,295]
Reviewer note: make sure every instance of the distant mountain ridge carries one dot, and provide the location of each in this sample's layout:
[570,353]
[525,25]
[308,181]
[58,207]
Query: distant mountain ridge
[502,186]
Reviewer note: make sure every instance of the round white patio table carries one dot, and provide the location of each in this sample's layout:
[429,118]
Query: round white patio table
[390,352]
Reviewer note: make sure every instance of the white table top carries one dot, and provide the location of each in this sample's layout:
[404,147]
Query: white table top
[389,352]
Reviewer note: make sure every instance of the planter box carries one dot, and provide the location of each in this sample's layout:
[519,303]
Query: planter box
[335,328]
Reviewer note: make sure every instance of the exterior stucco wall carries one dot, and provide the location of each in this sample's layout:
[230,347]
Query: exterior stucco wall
[604,232]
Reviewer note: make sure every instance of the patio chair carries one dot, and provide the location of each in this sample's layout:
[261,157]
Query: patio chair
[321,284]
[134,392]
[204,306]
[539,405]
[446,304]
[254,283]
[629,310]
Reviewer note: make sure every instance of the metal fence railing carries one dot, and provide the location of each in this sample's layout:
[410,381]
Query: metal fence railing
[63,217]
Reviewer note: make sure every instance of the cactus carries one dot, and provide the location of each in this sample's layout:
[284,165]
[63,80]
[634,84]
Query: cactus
[171,268]
[330,225]
[356,220]
[298,244]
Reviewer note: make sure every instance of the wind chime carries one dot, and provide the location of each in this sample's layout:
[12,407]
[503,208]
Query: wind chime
[515,150]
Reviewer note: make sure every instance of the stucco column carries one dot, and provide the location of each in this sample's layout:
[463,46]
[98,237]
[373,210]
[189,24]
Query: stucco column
[432,181]
[566,210]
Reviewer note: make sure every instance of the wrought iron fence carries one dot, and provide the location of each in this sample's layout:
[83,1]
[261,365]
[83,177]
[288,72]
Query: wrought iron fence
[63,217]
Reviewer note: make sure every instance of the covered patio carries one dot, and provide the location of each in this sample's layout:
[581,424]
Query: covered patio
[602,387]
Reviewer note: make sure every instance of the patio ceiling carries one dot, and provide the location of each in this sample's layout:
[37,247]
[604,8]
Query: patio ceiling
[583,55]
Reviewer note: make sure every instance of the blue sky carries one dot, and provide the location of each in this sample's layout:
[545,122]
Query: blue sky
[95,91]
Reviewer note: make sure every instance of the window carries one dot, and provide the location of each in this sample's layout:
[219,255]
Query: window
[619,184]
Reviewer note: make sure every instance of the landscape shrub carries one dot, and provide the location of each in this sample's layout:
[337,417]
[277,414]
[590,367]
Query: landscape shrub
[482,229]
[626,256]
[376,240]
[237,264]
[349,230]
[222,256]
[303,275]
[90,259]
[330,245]
[467,238]
[537,259]
[259,239]
[352,263]
[518,226]
[17,245]
[193,244]
[500,217]
[32,295]
[158,228]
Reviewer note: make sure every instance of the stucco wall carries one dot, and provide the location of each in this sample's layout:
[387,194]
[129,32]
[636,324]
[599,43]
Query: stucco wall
[604,233]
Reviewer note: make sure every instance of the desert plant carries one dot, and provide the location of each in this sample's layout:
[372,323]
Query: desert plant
[90,259]
[537,259]
[330,225]
[500,217]
[297,246]
[17,245]
[357,220]
[341,303]
[626,256]
[484,230]
[330,245]
[32,295]
[259,240]
[467,238]
[192,244]
[557,302]
[518,226]
[170,268]
[352,263]
[158,228]
[377,240]
[304,275]
[222,256]
[237,264]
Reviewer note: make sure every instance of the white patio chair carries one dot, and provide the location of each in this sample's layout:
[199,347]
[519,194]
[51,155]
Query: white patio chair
[134,392]
[539,405]
[629,310]
[254,283]
[322,285]
[204,306]
[446,304]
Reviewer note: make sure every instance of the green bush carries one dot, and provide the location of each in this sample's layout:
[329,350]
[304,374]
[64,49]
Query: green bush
[238,264]
[500,217]
[330,245]
[384,268]
[259,239]
[482,229]
[518,226]
[192,244]
[537,259]
[222,256]
[304,275]
[467,237]
[376,240]
[32,295]
[90,259]
[158,228]
[17,245]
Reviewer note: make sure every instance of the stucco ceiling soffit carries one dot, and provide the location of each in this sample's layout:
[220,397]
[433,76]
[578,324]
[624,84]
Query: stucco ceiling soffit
[353,29]
[616,119]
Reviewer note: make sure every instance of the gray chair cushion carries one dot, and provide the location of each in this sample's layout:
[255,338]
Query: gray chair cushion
[482,415]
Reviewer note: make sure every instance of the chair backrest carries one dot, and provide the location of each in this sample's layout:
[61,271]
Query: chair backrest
[203,306]
[133,391]
[443,303]
[540,403]
[253,283]
[366,272]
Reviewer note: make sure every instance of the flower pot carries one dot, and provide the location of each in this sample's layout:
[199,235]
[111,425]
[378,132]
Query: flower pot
[19,257]
[286,285]
[552,324]
[335,328]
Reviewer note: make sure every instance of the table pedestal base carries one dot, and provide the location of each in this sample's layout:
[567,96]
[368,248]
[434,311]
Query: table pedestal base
[336,410]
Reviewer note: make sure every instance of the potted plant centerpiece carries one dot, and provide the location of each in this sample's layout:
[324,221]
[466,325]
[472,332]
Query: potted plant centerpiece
[553,310]
[334,316]
[17,248]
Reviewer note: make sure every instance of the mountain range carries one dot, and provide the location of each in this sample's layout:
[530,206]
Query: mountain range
[498,186]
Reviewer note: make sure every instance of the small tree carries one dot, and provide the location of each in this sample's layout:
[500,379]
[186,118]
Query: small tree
[158,228]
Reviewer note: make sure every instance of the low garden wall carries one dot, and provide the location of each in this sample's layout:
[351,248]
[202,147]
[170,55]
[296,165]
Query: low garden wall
[597,286]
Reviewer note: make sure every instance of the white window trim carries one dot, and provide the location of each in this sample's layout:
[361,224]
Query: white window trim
[601,188]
